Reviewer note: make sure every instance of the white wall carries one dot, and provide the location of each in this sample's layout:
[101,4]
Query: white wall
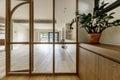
[73,33]
[2,15]
[2,8]
[20,33]
[2,36]
[109,36]
[38,31]
[112,35]
[65,12]
[85,6]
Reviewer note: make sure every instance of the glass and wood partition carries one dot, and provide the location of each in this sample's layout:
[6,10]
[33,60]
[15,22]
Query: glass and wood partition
[38,37]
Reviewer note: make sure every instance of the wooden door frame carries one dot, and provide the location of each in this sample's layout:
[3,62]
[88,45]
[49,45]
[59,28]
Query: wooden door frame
[31,42]
[9,14]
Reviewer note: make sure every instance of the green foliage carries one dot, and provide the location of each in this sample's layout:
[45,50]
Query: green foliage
[96,22]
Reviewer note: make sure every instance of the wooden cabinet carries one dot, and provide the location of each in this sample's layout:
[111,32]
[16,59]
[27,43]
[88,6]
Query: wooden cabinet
[82,64]
[116,72]
[93,66]
[108,70]
[88,65]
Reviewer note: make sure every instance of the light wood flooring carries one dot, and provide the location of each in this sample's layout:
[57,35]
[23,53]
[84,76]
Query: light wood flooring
[43,59]
[41,78]
[65,59]
[2,64]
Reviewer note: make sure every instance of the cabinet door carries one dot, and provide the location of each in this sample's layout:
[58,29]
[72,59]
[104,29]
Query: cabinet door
[82,64]
[88,65]
[108,70]
[91,66]
[116,73]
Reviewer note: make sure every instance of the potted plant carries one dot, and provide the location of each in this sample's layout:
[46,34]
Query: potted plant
[95,23]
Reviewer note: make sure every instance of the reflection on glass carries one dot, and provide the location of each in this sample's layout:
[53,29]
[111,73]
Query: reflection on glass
[64,14]
[19,57]
[56,38]
[43,58]
[20,24]
[20,32]
[15,3]
[65,58]
[41,34]
[44,37]
[43,20]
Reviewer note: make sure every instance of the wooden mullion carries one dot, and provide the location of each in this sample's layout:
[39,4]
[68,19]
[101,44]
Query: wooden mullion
[26,70]
[19,42]
[63,74]
[2,26]
[54,42]
[31,36]
[7,44]
[77,42]
[53,37]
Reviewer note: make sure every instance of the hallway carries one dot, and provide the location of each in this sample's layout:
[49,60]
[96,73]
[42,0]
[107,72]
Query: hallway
[43,58]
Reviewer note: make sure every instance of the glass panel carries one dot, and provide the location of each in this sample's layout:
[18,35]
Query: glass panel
[15,3]
[43,20]
[2,36]
[2,63]
[51,36]
[43,58]
[19,57]
[20,24]
[64,14]
[41,34]
[2,30]
[65,58]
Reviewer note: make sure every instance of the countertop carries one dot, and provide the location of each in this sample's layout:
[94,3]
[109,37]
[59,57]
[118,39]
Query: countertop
[108,51]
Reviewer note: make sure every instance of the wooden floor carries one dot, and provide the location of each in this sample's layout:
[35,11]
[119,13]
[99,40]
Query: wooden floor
[2,64]
[43,59]
[41,78]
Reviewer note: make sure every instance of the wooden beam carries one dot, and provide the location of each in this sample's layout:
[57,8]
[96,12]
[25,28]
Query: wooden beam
[96,3]
[21,71]
[2,29]
[23,0]
[2,25]
[112,6]
[35,21]
[2,20]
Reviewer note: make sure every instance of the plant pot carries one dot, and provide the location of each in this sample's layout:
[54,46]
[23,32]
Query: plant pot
[94,37]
